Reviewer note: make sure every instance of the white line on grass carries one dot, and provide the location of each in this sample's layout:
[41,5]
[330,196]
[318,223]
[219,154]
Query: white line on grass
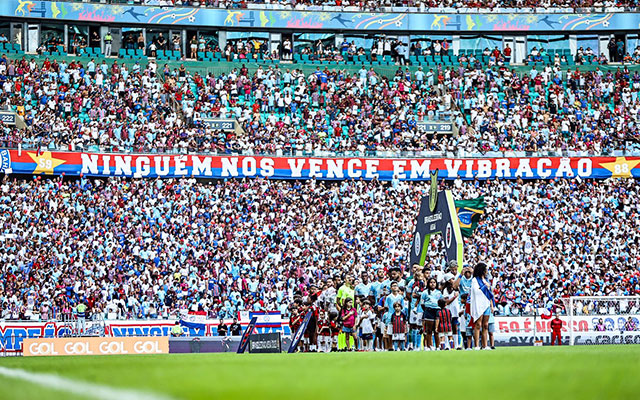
[85,389]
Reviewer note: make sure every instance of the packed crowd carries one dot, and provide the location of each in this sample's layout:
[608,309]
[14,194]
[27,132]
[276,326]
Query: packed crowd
[617,53]
[155,108]
[151,248]
[548,109]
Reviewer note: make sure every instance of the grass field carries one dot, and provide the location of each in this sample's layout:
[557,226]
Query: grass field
[582,372]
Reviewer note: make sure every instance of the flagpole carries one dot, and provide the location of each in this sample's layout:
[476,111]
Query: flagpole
[534,326]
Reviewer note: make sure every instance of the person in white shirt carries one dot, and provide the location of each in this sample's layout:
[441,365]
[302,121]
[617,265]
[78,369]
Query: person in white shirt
[366,325]
[437,47]
[450,294]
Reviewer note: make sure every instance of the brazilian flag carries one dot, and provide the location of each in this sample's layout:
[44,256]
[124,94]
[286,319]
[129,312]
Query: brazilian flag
[469,212]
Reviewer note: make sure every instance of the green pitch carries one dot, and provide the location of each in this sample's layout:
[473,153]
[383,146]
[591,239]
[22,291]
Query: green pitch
[582,372]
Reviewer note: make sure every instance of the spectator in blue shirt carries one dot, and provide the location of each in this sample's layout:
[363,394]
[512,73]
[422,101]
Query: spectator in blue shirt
[429,301]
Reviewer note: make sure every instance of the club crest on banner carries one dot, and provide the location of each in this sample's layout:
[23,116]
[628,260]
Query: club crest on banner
[417,244]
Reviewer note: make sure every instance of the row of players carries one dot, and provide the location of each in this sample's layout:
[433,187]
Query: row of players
[414,315]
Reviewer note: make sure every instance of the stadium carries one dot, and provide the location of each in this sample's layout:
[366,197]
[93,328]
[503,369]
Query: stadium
[319,199]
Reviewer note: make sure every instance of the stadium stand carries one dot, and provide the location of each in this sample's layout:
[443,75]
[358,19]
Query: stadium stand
[499,83]
[284,110]
[145,249]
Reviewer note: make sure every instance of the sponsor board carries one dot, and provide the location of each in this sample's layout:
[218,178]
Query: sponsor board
[12,333]
[581,324]
[579,338]
[95,346]
[524,331]
[265,343]
[413,169]
[508,329]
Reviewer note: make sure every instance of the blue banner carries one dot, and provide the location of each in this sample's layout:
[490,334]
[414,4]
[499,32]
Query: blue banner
[317,20]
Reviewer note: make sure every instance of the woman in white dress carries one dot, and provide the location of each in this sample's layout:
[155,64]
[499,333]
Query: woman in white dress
[481,305]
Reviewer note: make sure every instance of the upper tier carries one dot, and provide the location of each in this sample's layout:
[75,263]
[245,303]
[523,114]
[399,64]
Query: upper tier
[403,19]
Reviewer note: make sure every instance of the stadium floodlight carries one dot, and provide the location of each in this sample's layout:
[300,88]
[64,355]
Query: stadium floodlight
[603,319]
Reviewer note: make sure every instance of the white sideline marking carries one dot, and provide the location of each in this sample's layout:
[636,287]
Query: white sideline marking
[85,389]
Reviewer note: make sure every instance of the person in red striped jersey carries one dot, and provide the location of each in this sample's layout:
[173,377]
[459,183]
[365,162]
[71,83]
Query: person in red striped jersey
[399,327]
[444,326]
[324,332]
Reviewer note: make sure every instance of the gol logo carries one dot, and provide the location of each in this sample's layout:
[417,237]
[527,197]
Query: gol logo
[112,348]
[142,347]
[43,349]
[77,348]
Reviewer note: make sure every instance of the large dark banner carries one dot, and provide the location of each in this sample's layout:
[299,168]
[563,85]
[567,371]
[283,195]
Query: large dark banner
[435,217]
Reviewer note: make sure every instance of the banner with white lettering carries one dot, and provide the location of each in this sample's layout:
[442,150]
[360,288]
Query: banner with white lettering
[509,330]
[12,333]
[216,167]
